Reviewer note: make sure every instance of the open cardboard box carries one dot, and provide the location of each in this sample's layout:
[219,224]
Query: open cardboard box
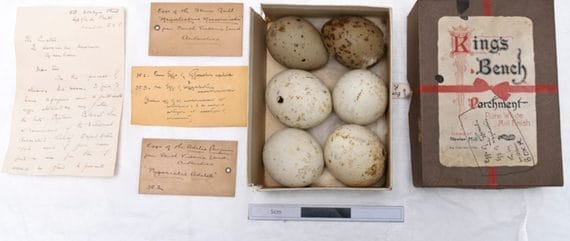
[263,67]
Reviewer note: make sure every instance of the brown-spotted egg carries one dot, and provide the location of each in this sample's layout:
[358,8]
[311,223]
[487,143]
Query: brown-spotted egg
[355,42]
[296,44]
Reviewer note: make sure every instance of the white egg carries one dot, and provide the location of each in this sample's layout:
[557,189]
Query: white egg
[327,180]
[293,158]
[355,156]
[360,97]
[298,99]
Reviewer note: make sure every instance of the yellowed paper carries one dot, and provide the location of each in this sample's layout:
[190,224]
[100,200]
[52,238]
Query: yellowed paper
[196,29]
[490,121]
[189,96]
[67,112]
[188,167]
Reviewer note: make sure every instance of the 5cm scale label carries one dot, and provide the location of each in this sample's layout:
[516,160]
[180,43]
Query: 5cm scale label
[346,213]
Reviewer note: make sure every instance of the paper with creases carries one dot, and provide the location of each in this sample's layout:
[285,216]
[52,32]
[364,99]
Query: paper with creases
[67,111]
[188,167]
[189,96]
[196,29]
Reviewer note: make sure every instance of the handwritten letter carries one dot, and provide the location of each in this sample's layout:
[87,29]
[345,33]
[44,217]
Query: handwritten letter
[196,29]
[188,167]
[189,96]
[67,112]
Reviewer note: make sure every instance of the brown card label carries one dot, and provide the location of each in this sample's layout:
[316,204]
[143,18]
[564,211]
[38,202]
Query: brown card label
[188,167]
[486,92]
[189,96]
[196,29]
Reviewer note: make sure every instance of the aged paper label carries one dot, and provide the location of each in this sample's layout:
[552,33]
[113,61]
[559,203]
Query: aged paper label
[189,96]
[486,92]
[188,167]
[196,29]
[69,87]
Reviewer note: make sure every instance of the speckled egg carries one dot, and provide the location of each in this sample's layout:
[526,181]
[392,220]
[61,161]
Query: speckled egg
[293,158]
[298,99]
[360,97]
[355,156]
[355,42]
[296,44]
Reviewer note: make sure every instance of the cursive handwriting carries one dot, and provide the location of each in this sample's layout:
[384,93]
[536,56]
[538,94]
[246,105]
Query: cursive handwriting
[186,96]
[67,116]
[186,166]
[196,29]
[182,153]
[488,142]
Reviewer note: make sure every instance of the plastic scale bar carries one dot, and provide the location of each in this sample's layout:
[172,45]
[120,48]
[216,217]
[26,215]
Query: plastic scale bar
[346,213]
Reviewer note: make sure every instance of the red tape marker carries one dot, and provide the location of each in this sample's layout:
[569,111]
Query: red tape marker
[491,171]
[492,176]
[487,8]
[502,90]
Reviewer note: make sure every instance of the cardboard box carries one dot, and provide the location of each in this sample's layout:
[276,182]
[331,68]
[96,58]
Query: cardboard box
[485,110]
[262,68]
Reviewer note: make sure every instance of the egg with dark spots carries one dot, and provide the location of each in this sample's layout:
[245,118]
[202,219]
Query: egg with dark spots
[293,158]
[355,156]
[298,99]
[355,42]
[360,97]
[295,43]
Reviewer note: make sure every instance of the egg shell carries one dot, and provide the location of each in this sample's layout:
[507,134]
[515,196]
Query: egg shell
[380,128]
[355,42]
[293,158]
[355,156]
[360,97]
[322,131]
[327,180]
[295,43]
[298,99]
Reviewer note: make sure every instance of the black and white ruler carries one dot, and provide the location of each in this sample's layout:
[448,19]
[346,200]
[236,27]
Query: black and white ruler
[342,213]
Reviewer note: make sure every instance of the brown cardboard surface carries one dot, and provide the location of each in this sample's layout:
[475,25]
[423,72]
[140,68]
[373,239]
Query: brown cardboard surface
[263,124]
[256,115]
[189,96]
[196,29]
[188,167]
[424,127]
[414,117]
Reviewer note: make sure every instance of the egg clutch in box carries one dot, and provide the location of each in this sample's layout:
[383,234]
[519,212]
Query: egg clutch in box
[319,98]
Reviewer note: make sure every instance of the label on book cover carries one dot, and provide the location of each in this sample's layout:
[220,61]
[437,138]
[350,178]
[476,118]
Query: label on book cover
[486,92]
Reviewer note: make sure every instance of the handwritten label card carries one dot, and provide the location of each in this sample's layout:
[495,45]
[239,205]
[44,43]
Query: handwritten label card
[496,139]
[188,167]
[196,29]
[70,73]
[189,96]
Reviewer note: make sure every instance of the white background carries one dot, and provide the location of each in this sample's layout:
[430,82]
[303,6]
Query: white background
[71,208]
